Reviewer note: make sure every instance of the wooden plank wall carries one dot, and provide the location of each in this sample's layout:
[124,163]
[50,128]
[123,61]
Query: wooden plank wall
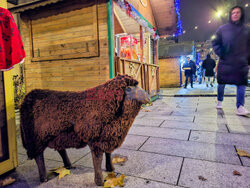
[65,36]
[169,72]
[68,74]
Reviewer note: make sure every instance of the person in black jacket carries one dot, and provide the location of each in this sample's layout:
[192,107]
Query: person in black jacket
[209,65]
[232,45]
[190,69]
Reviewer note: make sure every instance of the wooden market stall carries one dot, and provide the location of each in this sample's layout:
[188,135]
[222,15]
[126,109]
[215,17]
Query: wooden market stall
[8,147]
[170,62]
[71,45]
[136,23]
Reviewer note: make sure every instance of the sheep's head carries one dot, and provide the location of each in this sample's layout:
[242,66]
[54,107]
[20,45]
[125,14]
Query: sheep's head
[132,91]
[136,93]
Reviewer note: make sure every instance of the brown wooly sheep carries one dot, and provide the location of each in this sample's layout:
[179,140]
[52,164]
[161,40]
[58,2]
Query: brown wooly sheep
[99,117]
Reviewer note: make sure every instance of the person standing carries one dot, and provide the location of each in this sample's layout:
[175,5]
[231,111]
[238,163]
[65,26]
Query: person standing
[190,69]
[209,65]
[232,45]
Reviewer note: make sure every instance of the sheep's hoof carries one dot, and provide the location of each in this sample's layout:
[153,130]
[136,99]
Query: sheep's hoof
[43,179]
[110,168]
[70,167]
[99,181]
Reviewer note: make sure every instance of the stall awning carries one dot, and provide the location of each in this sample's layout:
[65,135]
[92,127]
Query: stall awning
[166,14]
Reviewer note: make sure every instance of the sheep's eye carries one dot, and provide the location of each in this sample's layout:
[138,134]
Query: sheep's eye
[128,89]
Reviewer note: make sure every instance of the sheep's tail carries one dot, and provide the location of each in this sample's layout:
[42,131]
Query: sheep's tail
[27,125]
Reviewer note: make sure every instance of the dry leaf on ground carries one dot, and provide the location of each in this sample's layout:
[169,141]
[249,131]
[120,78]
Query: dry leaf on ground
[113,182]
[202,178]
[236,173]
[146,110]
[7,181]
[110,176]
[149,104]
[61,171]
[119,159]
[243,153]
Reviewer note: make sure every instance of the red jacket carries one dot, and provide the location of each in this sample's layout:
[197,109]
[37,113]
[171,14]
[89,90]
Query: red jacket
[11,45]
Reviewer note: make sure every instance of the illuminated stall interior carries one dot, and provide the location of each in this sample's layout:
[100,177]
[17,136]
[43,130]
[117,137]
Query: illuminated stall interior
[134,57]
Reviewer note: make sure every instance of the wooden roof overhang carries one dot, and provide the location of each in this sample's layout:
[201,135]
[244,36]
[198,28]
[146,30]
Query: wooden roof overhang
[128,24]
[33,6]
[165,16]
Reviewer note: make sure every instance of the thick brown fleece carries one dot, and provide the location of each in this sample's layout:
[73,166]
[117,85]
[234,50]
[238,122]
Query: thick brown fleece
[99,117]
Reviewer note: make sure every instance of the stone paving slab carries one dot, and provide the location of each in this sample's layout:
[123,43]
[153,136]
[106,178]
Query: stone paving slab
[160,132]
[148,122]
[220,138]
[245,160]
[234,128]
[27,174]
[217,120]
[190,149]
[145,183]
[170,118]
[217,175]
[22,158]
[194,126]
[151,166]
[73,154]
[133,142]
[237,120]
[186,110]
[183,113]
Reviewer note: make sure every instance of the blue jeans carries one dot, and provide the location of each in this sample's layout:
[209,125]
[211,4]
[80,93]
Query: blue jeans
[240,94]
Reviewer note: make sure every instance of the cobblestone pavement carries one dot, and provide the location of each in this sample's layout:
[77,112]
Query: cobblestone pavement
[176,142]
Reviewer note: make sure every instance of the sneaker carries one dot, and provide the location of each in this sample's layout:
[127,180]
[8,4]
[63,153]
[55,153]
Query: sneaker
[241,111]
[219,105]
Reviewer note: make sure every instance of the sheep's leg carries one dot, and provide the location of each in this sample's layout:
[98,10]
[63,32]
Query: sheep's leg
[41,167]
[97,161]
[65,158]
[109,164]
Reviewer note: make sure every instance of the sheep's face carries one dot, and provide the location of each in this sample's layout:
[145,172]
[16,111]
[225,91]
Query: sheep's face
[137,93]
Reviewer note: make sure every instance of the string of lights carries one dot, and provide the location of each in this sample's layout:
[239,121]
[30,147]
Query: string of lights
[179,23]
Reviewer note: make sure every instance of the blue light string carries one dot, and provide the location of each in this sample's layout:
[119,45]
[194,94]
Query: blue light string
[179,23]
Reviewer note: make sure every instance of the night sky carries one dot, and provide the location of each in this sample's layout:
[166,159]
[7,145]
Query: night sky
[198,13]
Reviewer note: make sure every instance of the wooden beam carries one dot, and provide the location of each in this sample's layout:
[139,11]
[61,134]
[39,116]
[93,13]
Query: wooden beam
[119,20]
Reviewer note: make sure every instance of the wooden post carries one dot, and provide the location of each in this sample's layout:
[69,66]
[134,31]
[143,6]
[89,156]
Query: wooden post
[141,43]
[111,38]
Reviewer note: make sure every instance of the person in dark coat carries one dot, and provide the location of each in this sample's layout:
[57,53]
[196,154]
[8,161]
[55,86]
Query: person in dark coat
[209,65]
[232,45]
[190,69]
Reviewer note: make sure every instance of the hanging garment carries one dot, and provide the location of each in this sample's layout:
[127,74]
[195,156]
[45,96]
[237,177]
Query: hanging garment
[11,45]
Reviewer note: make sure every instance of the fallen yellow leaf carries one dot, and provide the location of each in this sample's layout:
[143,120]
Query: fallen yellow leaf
[61,171]
[243,153]
[146,110]
[118,159]
[110,176]
[7,181]
[113,182]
